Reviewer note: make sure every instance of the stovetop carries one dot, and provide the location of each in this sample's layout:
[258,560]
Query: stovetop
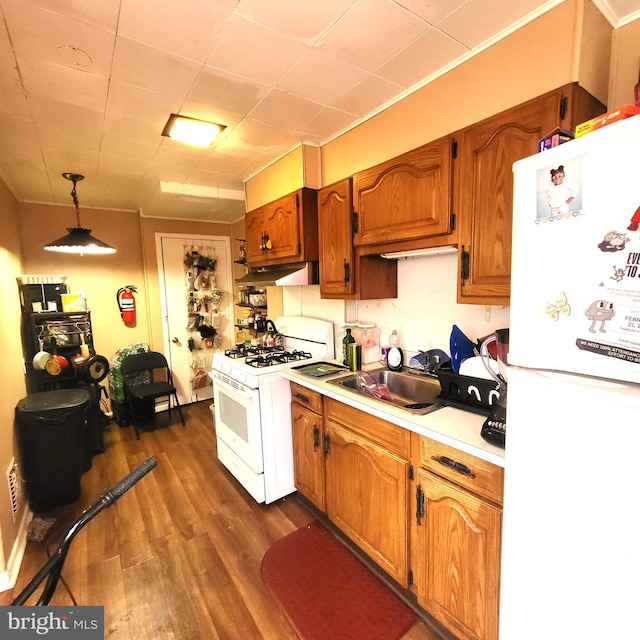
[260,357]
[305,339]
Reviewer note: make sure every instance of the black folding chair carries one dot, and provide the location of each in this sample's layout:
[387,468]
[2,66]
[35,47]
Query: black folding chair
[147,378]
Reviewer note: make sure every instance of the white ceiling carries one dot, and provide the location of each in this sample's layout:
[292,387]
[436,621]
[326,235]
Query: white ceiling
[86,86]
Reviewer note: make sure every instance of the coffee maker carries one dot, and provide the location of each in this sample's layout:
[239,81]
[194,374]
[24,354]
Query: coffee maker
[494,429]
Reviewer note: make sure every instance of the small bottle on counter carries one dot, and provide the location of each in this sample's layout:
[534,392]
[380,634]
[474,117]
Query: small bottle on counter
[346,341]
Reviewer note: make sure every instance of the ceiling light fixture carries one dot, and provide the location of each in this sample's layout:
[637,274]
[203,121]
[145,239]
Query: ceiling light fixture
[78,240]
[191,130]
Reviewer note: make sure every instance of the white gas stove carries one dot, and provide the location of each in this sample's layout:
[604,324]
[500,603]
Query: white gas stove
[252,405]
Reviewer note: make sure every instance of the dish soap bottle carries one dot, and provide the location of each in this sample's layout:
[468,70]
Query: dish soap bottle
[345,346]
[395,357]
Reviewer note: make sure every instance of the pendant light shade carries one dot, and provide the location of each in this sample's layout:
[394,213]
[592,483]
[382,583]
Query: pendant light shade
[78,240]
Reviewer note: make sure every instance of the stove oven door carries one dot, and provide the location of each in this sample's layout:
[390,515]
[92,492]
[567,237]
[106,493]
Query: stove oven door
[238,433]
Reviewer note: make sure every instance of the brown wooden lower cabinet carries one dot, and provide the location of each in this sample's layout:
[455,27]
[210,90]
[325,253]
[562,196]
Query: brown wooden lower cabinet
[456,538]
[414,506]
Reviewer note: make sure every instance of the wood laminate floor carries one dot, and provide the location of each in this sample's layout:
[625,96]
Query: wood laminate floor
[178,556]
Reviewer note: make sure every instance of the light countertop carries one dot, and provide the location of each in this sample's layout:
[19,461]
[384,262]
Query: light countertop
[453,427]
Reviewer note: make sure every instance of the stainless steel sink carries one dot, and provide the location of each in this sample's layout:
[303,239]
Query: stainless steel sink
[414,393]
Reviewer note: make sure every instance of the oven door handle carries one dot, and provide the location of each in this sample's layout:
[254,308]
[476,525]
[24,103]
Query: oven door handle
[244,391]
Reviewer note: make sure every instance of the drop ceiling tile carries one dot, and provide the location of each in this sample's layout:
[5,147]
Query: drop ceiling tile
[305,21]
[27,186]
[264,57]
[320,77]
[114,146]
[136,103]
[365,97]
[255,142]
[180,153]
[5,44]
[325,124]
[207,178]
[143,66]
[188,29]
[226,91]
[429,11]
[216,163]
[210,113]
[471,24]
[46,80]
[13,99]
[44,35]
[103,14]
[61,158]
[51,114]
[140,131]
[422,58]
[283,109]
[68,137]
[371,32]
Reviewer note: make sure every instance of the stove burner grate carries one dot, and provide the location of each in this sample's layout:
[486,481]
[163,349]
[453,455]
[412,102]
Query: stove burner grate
[274,357]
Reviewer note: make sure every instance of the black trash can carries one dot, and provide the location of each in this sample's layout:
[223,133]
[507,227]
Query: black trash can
[50,433]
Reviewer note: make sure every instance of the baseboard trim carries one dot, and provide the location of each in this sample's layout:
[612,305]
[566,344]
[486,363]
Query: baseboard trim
[9,577]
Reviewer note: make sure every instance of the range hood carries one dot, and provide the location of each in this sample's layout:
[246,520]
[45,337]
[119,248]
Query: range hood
[281,275]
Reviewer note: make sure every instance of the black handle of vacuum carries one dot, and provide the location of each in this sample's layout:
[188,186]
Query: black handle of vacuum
[130,479]
[52,568]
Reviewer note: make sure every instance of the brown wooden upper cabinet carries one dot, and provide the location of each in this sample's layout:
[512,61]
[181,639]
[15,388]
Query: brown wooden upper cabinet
[483,193]
[285,230]
[406,198]
[344,272]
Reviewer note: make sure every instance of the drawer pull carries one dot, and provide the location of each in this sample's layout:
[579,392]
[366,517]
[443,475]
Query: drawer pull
[302,397]
[456,466]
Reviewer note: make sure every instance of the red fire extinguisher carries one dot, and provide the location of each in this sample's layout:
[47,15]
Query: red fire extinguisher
[127,303]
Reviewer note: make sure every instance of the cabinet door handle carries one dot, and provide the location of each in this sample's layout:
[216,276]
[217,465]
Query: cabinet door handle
[301,397]
[466,257]
[452,464]
[316,438]
[347,270]
[419,505]
[327,445]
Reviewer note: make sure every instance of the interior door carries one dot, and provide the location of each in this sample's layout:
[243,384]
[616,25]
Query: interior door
[195,275]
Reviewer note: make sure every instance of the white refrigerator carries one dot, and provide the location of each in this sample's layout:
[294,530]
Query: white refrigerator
[571,529]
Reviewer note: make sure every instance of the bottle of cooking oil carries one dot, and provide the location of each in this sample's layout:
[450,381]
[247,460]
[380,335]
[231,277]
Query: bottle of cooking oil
[346,341]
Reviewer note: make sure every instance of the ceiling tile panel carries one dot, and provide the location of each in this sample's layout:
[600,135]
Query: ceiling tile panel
[320,77]
[471,24]
[423,57]
[326,123]
[188,28]
[282,109]
[46,80]
[371,32]
[101,14]
[136,103]
[305,21]
[264,57]
[430,11]
[44,35]
[371,92]
[143,66]
[141,131]
[51,114]
[226,91]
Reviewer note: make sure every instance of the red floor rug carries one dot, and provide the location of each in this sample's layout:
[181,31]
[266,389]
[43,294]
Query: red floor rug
[327,593]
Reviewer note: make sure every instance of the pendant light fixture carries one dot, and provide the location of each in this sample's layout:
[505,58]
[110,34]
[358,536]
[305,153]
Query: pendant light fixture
[78,240]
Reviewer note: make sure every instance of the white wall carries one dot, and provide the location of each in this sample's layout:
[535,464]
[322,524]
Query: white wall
[423,313]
